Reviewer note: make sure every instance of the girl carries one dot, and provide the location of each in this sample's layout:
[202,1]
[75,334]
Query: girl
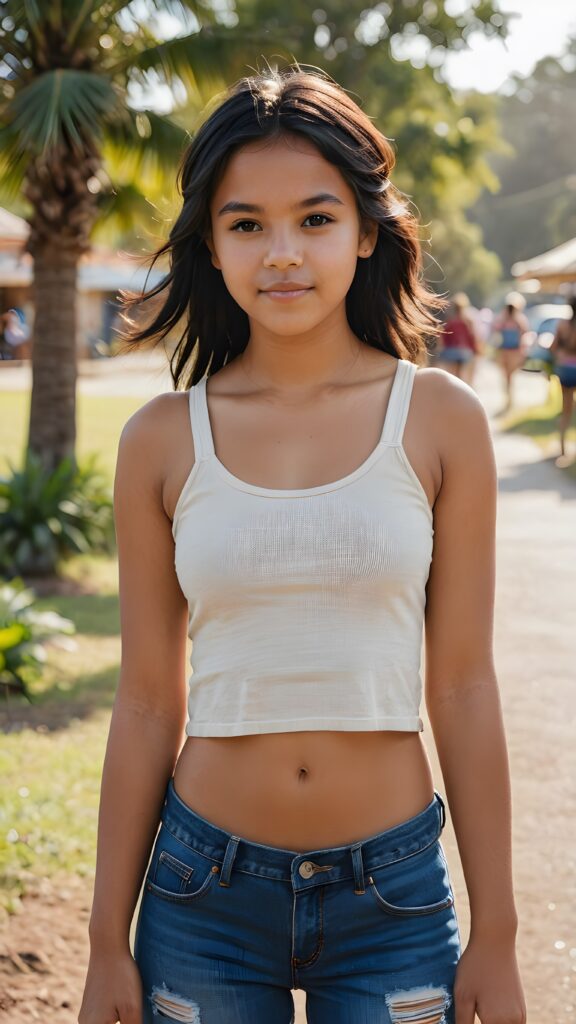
[511,326]
[459,340]
[563,349]
[297,504]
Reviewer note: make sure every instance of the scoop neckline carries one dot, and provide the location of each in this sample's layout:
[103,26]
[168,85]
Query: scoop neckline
[294,492]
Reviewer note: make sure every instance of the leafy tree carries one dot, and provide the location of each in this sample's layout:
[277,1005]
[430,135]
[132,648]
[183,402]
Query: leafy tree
[535,208]
[74,142]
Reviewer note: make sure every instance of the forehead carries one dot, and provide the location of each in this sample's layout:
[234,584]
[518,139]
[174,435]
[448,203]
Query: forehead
[278,172]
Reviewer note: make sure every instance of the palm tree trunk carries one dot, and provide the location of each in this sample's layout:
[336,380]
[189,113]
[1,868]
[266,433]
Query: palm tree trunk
[52,429]
[63,213]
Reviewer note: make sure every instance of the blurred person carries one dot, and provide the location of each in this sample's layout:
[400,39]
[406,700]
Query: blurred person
[484,321]
[510,328]
[459,342]
[17,333]
[302,499]
[563,351]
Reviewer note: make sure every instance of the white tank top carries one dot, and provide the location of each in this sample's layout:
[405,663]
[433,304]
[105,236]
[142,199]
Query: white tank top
[306,606]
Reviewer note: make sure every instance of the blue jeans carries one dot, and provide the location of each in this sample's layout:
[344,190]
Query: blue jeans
[227,927]
[455,354]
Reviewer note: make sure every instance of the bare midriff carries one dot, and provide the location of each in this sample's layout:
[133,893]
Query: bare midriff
[305,790]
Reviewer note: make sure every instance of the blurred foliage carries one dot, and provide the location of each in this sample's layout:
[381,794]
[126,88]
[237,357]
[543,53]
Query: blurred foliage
[46,516]
[535,207]
[24,631]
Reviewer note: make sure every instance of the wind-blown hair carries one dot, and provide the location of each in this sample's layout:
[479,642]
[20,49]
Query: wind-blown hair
[388,305]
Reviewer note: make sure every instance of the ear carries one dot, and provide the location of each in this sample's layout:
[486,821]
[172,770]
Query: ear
[210,245]
[368,239]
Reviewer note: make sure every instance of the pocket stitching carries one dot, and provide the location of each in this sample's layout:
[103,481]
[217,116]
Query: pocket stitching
[414,911]
[181,897]
[397,911]
[181,869]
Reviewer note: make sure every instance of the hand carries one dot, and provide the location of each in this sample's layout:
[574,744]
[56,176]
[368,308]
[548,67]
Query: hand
[488,984]
[113,990]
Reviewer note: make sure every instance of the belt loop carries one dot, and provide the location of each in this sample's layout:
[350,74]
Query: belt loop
[356,851]
[442,809]
[228,860]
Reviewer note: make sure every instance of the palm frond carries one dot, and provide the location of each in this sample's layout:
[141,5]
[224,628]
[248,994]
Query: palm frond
[201,9]
[13,164]
[198,60]
[142,146]
[64,106]
[129,211]
[87,11]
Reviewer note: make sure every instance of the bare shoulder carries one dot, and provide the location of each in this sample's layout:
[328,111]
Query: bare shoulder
[454,411]
[156,445]
[151,426]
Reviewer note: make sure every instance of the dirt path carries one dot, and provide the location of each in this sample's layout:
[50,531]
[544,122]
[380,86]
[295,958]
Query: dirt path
[43,949]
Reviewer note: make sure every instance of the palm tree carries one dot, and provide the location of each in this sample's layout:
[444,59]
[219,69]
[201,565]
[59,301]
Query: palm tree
[74,143]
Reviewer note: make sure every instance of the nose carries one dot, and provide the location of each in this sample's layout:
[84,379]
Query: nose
[283,252]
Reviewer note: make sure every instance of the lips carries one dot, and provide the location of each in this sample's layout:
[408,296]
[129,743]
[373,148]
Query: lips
[287,287]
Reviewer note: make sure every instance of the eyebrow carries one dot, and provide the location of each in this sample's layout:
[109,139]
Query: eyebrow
[236,207]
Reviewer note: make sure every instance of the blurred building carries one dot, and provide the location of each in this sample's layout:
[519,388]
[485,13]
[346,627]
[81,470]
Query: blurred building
[555,269]
[101,273]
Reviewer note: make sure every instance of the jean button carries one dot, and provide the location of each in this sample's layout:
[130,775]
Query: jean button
[306,869]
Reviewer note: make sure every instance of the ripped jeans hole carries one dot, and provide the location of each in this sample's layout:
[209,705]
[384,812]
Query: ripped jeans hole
[426,1005]
[174,1007]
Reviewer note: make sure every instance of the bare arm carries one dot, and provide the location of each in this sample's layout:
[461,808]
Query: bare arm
[462,694]
[148,717]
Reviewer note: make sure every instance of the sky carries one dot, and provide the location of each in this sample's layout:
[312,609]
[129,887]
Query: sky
[540,28]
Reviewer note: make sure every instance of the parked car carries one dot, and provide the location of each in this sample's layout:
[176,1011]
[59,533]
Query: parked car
[543,321]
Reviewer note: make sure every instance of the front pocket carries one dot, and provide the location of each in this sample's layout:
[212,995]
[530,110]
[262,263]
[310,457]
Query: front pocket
[406,911]
[415,886]
[177,872]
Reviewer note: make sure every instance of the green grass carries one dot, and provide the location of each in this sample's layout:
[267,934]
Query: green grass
[52,752]
[99,424]
[48,809]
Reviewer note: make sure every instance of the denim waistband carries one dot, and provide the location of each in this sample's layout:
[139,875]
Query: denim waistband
[304,870]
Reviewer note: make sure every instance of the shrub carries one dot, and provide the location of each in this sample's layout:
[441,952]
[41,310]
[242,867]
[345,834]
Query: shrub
[47,516]
[24,631]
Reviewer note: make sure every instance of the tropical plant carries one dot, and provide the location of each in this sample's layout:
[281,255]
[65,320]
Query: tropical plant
[45,517]
[24,632]
[74,142]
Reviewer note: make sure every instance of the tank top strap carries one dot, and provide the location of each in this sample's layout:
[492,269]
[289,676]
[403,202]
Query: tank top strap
[200,421]
[399,402]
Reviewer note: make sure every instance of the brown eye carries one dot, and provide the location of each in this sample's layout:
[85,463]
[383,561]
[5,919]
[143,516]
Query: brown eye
[322,216]
[240,223]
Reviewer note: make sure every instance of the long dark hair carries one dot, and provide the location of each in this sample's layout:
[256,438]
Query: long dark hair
[388,305]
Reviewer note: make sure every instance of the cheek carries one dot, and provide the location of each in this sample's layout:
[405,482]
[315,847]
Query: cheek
[238,266]
[334,268]
[336,252]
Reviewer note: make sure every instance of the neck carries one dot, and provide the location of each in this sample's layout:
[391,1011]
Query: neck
[289,368]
